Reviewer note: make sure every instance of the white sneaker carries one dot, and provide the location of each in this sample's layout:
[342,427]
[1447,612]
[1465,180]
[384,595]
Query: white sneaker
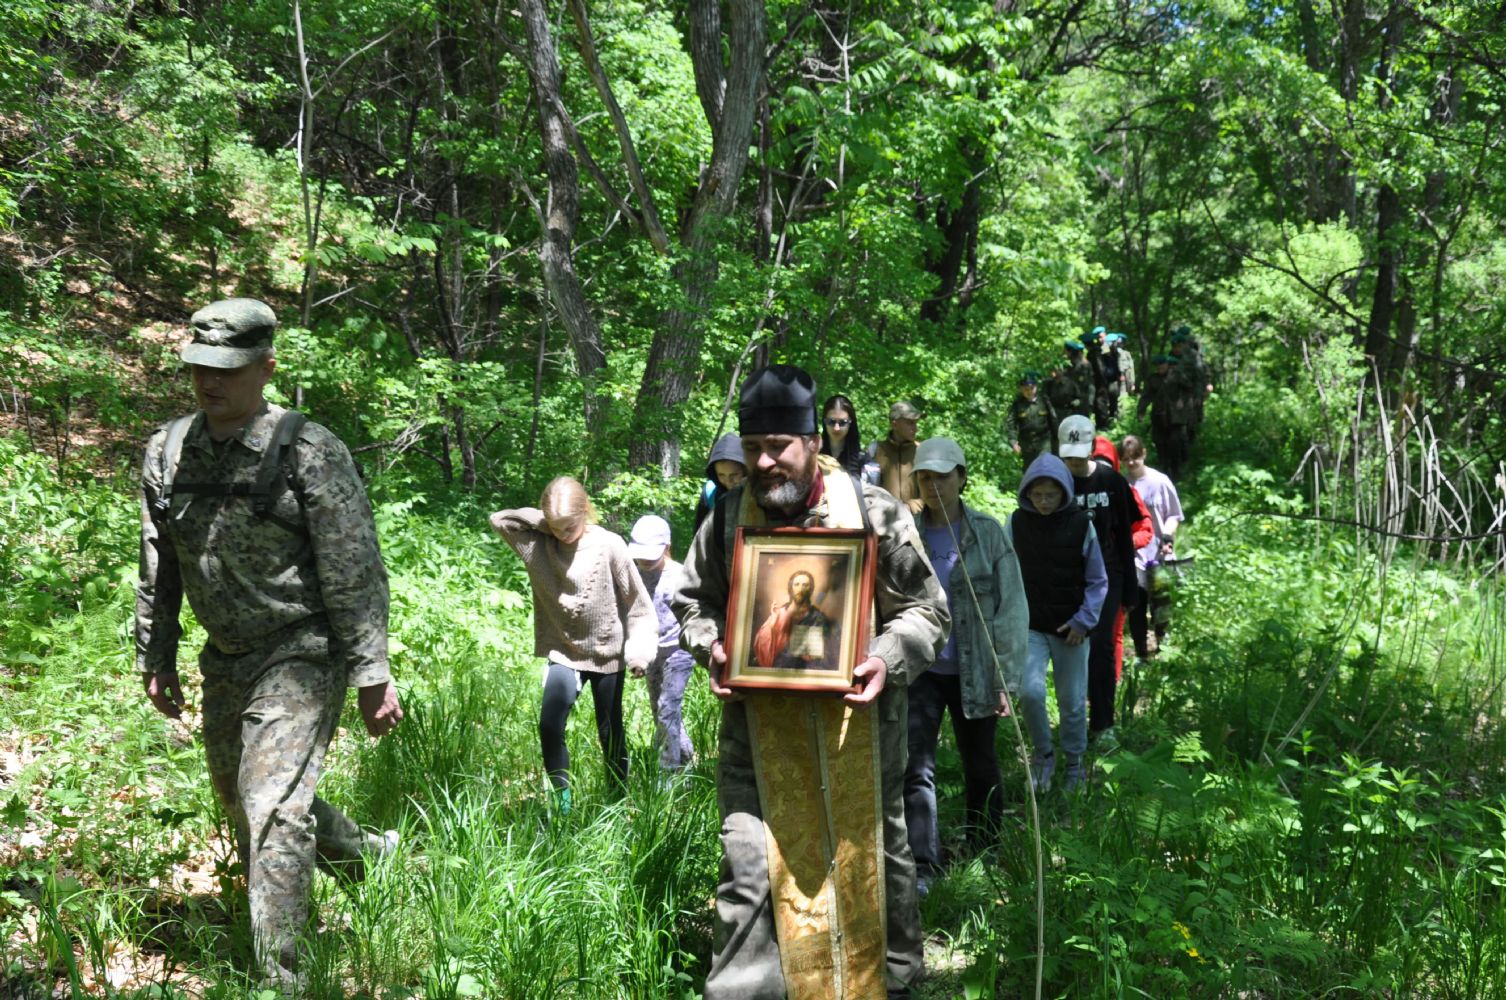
[388,843]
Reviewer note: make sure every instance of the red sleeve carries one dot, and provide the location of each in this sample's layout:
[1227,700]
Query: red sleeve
[1142,531]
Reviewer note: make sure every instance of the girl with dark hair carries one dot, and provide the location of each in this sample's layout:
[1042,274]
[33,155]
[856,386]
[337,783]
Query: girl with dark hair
[839,434]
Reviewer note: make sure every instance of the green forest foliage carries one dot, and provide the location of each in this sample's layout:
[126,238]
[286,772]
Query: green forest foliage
[936,195]
[479,290]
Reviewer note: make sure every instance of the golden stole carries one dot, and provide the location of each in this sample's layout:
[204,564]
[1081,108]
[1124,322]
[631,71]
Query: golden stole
[817,761]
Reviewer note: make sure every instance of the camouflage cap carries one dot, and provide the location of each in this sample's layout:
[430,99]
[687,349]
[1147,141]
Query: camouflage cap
[904,411]
[230,333]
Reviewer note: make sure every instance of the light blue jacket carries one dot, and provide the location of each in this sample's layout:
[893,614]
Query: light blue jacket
[991,620]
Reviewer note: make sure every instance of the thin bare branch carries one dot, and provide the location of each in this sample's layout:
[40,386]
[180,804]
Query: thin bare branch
[649,219]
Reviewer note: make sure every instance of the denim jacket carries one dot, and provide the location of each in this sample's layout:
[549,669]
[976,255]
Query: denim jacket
[1000,614]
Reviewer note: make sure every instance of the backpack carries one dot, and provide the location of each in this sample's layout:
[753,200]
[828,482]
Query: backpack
[1111,367]
[271,479]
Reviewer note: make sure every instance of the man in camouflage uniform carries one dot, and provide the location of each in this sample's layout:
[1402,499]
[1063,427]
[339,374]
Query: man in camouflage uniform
[1071,390]
[1189,357]
[1169,396]
[1093,356]
[1111,365]
[1032,421]
[289,584]
[1124,360]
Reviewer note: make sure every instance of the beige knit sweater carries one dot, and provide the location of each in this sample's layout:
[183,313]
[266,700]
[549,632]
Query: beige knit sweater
[590,608]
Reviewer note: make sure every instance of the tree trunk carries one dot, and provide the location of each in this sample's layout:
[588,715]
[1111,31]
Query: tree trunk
[560,216]
[959,232]
[1353,55]
[1389,234]
[706,56]
[670,372]
[649,220]
[764,239]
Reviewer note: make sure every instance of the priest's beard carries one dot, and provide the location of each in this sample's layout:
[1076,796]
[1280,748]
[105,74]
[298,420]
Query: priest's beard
[784,495]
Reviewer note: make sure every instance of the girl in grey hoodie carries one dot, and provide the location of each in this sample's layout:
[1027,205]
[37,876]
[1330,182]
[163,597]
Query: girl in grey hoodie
[1065,584]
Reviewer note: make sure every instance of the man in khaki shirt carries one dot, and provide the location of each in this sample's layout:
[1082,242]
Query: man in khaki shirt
[896,455]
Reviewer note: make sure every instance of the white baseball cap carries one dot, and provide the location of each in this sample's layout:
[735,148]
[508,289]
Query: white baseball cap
[649,539]
[1074,437]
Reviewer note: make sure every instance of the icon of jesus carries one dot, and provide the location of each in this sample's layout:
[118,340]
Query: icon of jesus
[796,635]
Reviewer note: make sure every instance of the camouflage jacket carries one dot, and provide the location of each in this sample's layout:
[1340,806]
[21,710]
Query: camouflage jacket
[250,580]
[1127,369]
[1031,420]
[1171,398]
[1072,391]
[1195,370]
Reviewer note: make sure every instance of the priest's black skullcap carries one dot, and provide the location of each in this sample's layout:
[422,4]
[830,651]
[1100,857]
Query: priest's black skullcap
[779,399]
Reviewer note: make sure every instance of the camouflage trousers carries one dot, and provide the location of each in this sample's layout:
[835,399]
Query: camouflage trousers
[268,720]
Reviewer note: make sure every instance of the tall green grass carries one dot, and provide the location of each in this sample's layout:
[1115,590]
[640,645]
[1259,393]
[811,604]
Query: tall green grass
[1311,800]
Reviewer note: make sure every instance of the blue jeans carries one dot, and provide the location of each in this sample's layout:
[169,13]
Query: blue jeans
[1070,667]
[931,694]
[666,692]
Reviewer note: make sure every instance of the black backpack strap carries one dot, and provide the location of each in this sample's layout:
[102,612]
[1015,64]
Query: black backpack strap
[265,491]
[283,436]
[172,450]
[857,485]
[270,482]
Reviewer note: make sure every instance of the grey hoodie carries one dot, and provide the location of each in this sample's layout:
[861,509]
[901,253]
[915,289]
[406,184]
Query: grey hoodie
[728,448]
[1048,466]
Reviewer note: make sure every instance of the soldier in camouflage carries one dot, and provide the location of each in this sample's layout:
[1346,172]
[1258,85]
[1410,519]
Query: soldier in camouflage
[1124,361]
[1168,394]
[293,595]
[1189,358]
[1031,420]
[1093,356]
[1071,391]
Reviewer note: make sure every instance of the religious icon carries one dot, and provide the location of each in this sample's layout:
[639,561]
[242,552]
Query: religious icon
[799,611]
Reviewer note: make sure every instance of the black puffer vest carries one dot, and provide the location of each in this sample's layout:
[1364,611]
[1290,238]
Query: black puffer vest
[1052,564]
